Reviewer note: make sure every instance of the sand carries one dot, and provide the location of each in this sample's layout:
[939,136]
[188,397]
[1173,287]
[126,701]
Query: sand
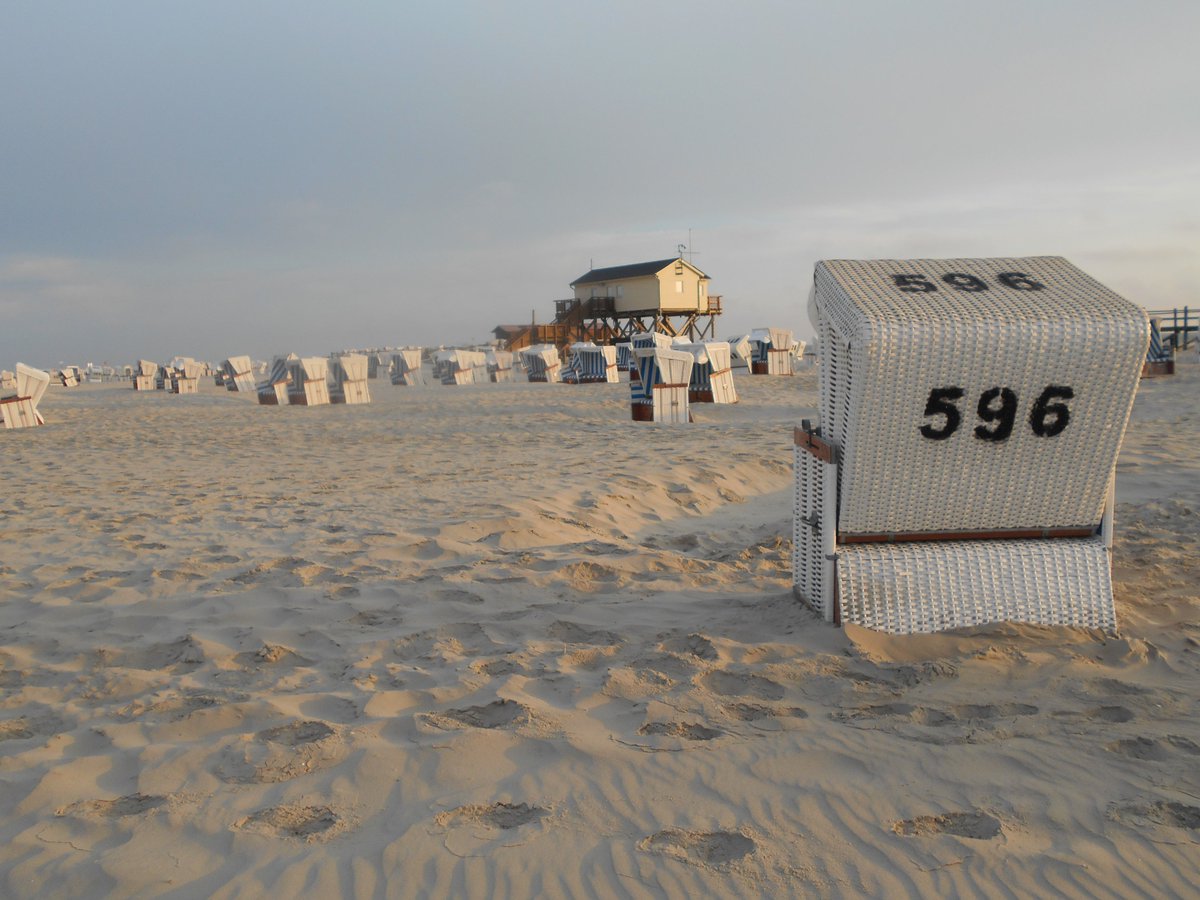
[501,641]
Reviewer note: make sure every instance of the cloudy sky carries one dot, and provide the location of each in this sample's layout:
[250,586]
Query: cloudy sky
[212,178]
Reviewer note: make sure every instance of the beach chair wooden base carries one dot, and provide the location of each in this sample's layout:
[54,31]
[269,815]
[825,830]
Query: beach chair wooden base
[185,386]
[311,393]
[273,394]
[700,396]
[19,412]
[352,392]
[921,583]
[1158,369]
[144,383]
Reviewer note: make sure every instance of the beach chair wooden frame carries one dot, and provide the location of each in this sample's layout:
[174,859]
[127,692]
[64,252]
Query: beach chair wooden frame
[971,416]
[20,410]
[308,381]
[350,379]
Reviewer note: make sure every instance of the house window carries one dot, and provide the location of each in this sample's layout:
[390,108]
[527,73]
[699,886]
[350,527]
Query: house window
[679,287]
[620,290]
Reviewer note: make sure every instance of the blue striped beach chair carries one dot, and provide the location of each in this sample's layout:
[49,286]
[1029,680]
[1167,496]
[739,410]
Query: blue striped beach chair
[350,379]
[1159,358]
[542,363]
[273,390]
[406,367]
[661,391]
[712,375]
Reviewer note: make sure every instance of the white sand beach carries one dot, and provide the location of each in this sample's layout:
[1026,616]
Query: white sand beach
[500,640]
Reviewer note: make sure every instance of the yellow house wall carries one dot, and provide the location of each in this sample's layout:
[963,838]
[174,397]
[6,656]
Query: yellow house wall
[652,292]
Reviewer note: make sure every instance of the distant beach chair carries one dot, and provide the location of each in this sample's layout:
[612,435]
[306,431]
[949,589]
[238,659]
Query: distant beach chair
[273,389]
[239,374]
[406,367]
[350,379]
[1160,358]
[8,380]
[500,365]
[641,341]
[972,411]
[712,375]
[542,363]
[20,409]
[68,376]
[772,351]
[458,366]
[308,381]
[624,356]
[145,376]
[660,394]
[741,352]
[186,378]
[592,364]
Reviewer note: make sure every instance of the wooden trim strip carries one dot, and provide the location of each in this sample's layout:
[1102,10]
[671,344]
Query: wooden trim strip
[819,448]
[1011,534]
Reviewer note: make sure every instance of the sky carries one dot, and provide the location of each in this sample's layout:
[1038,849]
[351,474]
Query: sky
[215,178]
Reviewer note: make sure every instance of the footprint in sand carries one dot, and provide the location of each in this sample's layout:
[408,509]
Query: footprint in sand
[495,815]
[1154,749]
[129,805]
[696,645]
[703,848]
[1157,812]
[497,714]
[689,731]
[282,753]
[309,823]
[975,825]
[571,633]
[751,712]
[16,729]
[734,684]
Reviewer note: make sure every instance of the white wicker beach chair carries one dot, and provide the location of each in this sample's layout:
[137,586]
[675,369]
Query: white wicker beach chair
[273,389]
[406,367]
[145,375]
[971,415]
[772,351]
[350,379]
[741,352]
[20,408]
[660,393]
[186,376]
[542,363]
[499,365]
[712,376]
[239,374]
[308,381]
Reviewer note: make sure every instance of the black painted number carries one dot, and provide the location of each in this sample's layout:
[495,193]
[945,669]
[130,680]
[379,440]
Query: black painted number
[940,403]
[961,282]
[1019,281]
[997,411]
[914,284]
[1048,418]
[1003,415]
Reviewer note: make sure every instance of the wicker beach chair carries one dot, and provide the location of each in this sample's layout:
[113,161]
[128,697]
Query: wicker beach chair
[19,404]
[712,375]
[273,389]
[185,377]
[772,351]
[499,365]
[145,375]
[349,372]
[406,367]
[308,381]
[971,414]
[542,363]
[1160,358]
[660,393]
[238,374]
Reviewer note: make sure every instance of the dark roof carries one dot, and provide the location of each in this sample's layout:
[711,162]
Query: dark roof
[612,273]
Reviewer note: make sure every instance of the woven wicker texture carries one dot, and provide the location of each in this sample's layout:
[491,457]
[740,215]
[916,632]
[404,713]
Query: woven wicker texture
[931,586]
[809,532]
[885,350]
